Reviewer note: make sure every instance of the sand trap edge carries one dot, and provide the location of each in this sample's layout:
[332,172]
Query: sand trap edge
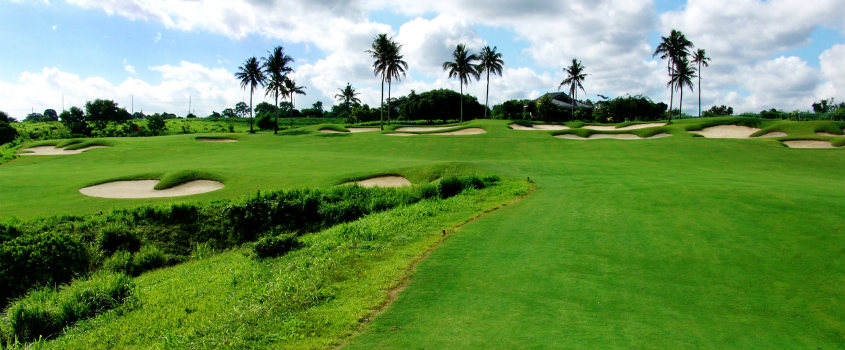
[808,144]
[55,151]
[136,189]
[214,139]
[381,181]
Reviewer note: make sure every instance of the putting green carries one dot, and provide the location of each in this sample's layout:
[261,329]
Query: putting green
[677,242]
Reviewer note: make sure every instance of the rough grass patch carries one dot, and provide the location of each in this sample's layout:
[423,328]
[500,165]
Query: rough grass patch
[177,178]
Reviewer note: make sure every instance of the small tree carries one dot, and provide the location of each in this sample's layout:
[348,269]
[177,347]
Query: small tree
[50,115]
[156,124]
[74,120]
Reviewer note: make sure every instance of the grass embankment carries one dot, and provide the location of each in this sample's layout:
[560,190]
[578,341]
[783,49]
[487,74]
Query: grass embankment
[673,242]
[312,297]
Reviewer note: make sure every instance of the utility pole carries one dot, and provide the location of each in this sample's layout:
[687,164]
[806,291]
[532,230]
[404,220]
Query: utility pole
[132,108]
[63,101]
[189,104]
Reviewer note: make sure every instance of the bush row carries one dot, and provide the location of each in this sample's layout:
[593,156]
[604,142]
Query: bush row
[53,250]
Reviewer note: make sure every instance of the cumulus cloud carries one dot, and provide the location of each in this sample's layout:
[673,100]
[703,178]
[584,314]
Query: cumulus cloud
[833,72]
[209,89]
[426,44]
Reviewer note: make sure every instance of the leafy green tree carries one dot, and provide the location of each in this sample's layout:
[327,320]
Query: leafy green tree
[7,131]
[242,110]
[276,68]
[6,118]
[229,113]
[490,62]
[348,95]
[74,120]
[250,74]
[574,77]
[380,51]
[33,117]
[156,124]
[700,57]
[682,76]
[719,110]
[546,109]
[50,115]
[463,68]
[101,112]
[293,89]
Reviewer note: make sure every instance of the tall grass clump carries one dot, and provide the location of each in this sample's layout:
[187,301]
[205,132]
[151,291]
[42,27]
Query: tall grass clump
[43,313]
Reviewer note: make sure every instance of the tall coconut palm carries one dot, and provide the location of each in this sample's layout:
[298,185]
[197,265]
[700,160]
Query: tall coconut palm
[348,95]
[250,74]
[682,76]
[292,89]
[673,48]
[490,62]
[700,57]
[574,77]
[394,69]
[462,68]
[380,51]
[276,68]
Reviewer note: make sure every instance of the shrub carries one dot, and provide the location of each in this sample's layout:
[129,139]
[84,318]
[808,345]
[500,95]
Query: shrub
[276,245]
[265,121]
[8,232]
[148,258]
[45,258]
[114,237]
[450,186]
[7,132]
[44,312]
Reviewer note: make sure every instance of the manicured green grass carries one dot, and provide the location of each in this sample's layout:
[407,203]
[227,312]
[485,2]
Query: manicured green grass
[674,242]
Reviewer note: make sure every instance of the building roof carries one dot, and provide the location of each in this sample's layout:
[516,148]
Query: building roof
[561,99]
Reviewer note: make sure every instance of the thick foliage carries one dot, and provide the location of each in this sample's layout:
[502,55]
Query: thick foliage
[43,313]
[275,245]
[41,259]
[7,132]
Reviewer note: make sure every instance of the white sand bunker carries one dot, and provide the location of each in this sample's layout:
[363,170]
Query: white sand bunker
[352,130]
[211,139]
[467,131]
[727,132]
[383,181]
[612,136]
[808,144]
[423,128]
[538,127]
[629,127]
[53,150]
[772,134]
[144,189]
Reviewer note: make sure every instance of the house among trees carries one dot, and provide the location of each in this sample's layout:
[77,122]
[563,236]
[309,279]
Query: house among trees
[562,100]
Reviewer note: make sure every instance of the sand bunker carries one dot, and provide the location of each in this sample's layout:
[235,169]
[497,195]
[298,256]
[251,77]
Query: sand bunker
[383,181]
[467,131]
[727,132]
[612,136]
[53,150]
[211,139]
[423,128]
[539,127]
[352,130]
[772,134]
[144,189]
[808,144]
[629,127]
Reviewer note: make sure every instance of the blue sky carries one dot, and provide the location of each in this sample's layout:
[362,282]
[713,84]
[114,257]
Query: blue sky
[779,53]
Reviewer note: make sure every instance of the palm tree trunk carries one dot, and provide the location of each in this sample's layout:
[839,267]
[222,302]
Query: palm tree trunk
[487,97]
[462,102]
[699,89]
[251,131]
[276,114]
[381,106]
[572,92]
[671,89]
[291,110]
[681,102]
[388,101]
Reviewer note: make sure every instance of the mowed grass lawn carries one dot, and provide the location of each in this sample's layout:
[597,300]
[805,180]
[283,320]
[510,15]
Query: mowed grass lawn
[674,242]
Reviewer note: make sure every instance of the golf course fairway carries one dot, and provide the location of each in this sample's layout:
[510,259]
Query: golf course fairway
[674,242]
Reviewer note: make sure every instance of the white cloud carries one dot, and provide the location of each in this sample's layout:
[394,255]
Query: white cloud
[209,89]
[426,44]
[54,27]
[833,71]
[128,67]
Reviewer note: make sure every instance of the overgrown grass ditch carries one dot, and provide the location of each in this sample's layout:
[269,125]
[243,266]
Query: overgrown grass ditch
[46,252]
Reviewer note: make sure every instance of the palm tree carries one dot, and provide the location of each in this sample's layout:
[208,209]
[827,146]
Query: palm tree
[491,62]
[463,68]
[682,76]
[276,67]
[347,95]
[700,57]
[574,77]
[394,69]
[292,89]
[250,74]
[674,48]
[380,50]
